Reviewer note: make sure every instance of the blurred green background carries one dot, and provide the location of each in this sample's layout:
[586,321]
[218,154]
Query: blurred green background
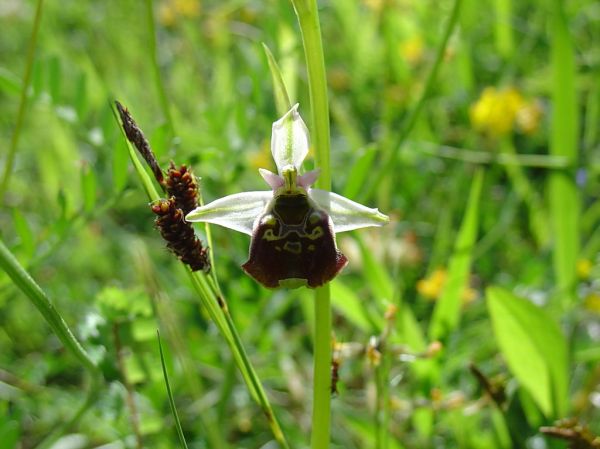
[491,179]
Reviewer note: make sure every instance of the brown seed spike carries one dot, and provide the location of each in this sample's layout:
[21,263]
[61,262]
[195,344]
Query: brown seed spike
[179,235]
[181,184]
[136,137]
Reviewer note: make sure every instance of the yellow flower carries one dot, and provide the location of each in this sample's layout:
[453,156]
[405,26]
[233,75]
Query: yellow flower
[495,111]
[584,268]
[529,117]
[431,287]
[412,49]
[171,10]
[592,302]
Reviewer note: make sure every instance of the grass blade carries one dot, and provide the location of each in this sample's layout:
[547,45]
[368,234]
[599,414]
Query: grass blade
[564,198]
[307,13]
[447,311]
[282,99]
[12,149]
[170,395]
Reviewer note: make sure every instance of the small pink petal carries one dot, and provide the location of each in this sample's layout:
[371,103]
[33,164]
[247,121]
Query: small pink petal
[275,181]
[309,178]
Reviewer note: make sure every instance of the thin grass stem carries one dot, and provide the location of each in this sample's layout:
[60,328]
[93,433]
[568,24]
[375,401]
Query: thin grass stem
[170,395]
[391,156]
[153,50]
[14,142]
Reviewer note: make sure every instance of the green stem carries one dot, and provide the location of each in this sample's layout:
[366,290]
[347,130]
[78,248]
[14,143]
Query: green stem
[170,396]
[214,303]
[153,49]
[36,295]
[308,18]
[563,194]
[321,413]
[12,150]
[485,157]
[251,377]
[407,126]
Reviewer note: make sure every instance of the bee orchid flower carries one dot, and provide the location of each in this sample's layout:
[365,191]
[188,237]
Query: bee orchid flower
[292,226]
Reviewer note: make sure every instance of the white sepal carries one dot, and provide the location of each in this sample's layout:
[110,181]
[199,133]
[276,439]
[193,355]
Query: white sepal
[237,212]
[289,141]
[347,214]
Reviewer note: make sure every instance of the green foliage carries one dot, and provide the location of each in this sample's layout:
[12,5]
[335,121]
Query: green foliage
[534,347]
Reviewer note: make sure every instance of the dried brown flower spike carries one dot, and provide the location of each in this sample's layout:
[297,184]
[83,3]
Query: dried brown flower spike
[182,189]
[181,184]
[136,137]
[179,235]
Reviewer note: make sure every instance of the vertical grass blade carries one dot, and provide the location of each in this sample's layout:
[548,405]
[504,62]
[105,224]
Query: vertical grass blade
[170,395]
[447,311]
[308,18]
[12,149]
[564,198]
[282,98]
[389,159]
[160,87]
[503,32]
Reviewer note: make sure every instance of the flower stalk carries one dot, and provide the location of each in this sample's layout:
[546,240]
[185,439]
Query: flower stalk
[206,286]
[308,18]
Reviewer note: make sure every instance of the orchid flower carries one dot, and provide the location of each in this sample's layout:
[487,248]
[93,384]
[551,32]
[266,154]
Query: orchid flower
[292,226]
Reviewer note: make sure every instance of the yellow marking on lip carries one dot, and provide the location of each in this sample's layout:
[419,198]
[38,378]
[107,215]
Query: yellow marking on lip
[293,247]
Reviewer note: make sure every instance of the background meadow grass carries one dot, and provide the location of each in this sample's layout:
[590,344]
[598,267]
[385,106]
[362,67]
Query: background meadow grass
[491,179]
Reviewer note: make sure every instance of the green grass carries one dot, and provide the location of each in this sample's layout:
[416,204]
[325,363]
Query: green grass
[389,105]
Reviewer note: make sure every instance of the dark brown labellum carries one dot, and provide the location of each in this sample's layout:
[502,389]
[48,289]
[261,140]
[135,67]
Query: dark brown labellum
[293,244]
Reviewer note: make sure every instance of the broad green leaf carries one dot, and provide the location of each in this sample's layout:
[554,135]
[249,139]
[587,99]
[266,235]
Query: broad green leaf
[534,348]
[447,311]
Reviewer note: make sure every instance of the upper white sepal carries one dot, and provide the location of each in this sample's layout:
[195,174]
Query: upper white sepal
[289,140]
